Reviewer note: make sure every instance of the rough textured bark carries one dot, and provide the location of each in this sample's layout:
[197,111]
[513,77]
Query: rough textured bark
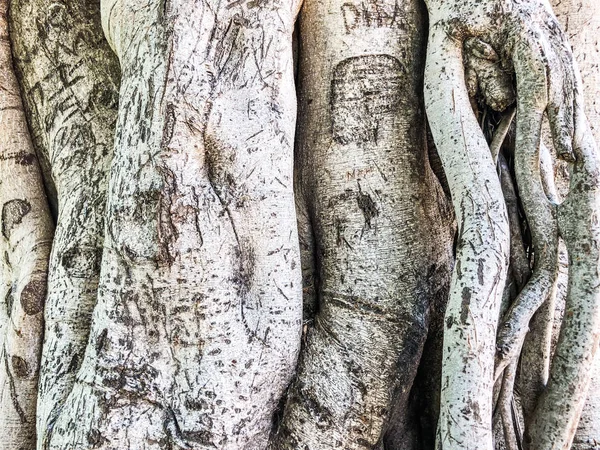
[581,21]
[482,248]
[381,241]
[198,282]
[197,326]
[556,417]
[69,78]
[26,237]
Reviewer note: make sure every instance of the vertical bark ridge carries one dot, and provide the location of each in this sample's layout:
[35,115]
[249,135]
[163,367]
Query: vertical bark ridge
[69,79]
[581,21]
[25,239]
[482,249]
[197,327]
[381,242]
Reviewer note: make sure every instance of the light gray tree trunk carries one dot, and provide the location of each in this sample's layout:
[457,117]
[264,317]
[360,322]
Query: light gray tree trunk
[380,223]
[69,79]
[176,287]
[197,326]
[25,240]
[581,21]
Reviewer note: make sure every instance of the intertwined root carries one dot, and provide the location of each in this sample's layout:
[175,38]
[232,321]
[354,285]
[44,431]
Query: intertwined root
[504,44]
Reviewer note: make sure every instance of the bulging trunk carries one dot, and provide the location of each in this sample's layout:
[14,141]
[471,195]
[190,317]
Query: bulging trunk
[380,223]
[197,326]
[69,79]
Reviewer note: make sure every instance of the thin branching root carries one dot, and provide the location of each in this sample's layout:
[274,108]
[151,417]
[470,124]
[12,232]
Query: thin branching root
[515,58]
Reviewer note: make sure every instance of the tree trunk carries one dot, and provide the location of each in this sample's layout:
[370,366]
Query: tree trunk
[379,219]
[69,79]
[198,320]
[204,241]
[581,21]
[26,237]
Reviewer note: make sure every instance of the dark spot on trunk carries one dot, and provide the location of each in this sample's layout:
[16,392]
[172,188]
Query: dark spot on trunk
[33,296]
[95,439]
[480,269]
[367,206]
[82,262]
[449,322]
[101,339]
[20,367]
[9,300]
[195,404]
[24,158]
[13,212]
[169,125]
[466,302]
[74,364]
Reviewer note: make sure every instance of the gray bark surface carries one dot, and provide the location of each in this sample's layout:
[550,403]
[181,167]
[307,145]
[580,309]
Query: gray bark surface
[380,222]
[197,326]
[69,78]
[25,239]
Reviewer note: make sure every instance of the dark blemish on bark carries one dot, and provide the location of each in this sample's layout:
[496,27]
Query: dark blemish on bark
[171,429]
[247,256]
[449,322]
[20,366]
[364,443]
[103,97]
[195,404]
[13,394]
[33,296]
[169,125]
[364,90]
[167,230]
[466,302]
[480,269]
[9,300]
[74,364]
[22,158]
[367,206]
[82,262]
[202,437]
[95,439]
[13,212]
[101,340]
[321,413]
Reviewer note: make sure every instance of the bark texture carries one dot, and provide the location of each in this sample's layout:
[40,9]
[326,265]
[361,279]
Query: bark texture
[482,247]
[380,222]
[26,237]
[197,326]
[581,21]
[69,78]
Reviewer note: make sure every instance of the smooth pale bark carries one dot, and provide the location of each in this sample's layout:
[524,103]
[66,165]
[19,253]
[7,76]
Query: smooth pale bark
[556,417]
[197,327]
[25,240]
[69,79]
[380,222]
[482,248]
[581,21]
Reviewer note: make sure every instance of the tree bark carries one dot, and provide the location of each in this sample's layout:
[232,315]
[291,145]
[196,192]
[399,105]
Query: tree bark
[26,237]
[380,224]
[69,78]
[581,21]
[197,326]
